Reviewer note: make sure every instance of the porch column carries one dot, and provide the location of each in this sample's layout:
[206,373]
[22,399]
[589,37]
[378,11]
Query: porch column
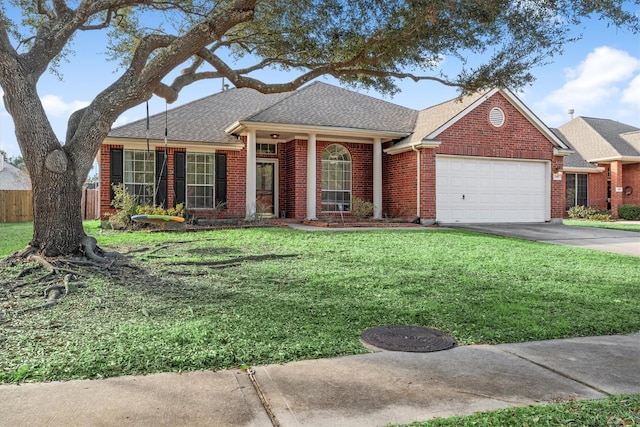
[616,184]
[377,178]
[311,177]
[251,176]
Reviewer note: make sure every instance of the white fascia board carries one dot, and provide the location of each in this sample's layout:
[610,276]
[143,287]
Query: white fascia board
[236,127]
[568,169]
[561,152]
[202,147]
[624,159]
[318,130]
[412,147]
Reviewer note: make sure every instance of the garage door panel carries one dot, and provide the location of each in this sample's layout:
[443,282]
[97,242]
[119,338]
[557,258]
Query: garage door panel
[487,190]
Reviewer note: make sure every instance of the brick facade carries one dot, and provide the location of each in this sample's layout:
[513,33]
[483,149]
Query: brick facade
[472,135]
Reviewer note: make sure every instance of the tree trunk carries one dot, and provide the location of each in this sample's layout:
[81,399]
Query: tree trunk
[57,214]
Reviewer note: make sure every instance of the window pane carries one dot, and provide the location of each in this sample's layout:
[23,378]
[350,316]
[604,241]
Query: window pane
[139,175]
[200,179]
[336,179]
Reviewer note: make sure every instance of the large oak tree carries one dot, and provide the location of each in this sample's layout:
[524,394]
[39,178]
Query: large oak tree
[364,43]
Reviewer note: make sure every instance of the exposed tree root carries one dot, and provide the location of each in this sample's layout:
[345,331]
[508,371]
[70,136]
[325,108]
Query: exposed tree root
[55,277]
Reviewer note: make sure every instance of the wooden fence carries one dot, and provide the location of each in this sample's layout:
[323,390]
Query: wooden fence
[91,203]
[16,205]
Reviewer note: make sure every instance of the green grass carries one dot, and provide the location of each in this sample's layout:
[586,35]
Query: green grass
[621,410]
[14,236]
[274,295]
[616,225]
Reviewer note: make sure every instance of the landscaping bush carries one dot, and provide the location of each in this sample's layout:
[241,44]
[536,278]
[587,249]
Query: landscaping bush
[126,204]
[589,213]
[361,209]
[157,210]
[629,212]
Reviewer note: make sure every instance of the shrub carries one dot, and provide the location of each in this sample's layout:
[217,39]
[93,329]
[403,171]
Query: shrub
[589,213]
[126,204]
[604,217]
[629,212]
[361,209]
[582,212]
[158,210]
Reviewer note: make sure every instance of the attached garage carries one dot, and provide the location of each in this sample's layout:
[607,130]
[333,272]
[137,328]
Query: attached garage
[484,190]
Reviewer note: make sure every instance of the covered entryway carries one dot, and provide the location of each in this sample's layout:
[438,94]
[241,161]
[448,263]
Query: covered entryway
[483,190]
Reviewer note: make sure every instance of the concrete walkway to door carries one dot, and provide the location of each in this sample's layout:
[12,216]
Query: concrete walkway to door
[617,241]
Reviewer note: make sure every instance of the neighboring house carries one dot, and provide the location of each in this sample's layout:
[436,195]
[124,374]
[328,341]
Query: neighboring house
[12,178]
[307,154]
[604,170]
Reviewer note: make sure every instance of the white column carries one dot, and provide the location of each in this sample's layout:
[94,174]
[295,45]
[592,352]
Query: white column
[311,177]
[251,176]
[377,178]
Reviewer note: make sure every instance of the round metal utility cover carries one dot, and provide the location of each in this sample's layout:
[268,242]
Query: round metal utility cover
[408,338]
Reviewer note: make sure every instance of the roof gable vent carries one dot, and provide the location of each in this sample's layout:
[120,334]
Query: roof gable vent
[496,117]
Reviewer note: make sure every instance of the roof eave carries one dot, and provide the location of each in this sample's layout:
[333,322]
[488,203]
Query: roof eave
[413,146]
[244,126]
[569,169]
[562,152]
[139,143]
[627,159]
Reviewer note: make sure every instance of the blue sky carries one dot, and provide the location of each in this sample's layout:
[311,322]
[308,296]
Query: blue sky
[598,76]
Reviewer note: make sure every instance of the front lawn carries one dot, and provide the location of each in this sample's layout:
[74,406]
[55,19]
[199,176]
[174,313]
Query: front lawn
[623,410]
[231,298]
[616,225]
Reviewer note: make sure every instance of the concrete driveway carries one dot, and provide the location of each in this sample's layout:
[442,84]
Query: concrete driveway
[617,241]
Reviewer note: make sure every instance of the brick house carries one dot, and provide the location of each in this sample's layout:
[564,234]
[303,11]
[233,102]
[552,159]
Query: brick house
[604,170]
[307,154]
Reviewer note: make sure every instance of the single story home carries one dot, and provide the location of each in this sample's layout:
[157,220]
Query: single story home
[604,170]
[308,154]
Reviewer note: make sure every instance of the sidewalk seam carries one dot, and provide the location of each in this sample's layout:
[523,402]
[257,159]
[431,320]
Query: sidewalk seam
[263,399]
[557,372]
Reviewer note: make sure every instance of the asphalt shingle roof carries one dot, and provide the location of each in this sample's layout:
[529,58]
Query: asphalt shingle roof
[321,104]
[595,138]
[573,160]
[203,120]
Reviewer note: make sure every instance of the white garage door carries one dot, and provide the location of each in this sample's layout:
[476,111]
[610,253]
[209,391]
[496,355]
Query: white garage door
[470,190]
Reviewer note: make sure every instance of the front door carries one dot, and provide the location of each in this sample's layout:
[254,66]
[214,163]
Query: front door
[265,194]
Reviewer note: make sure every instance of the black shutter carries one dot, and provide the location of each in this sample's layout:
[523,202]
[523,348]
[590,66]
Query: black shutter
[161,179]
[116,169]
[179,176]
[221,179]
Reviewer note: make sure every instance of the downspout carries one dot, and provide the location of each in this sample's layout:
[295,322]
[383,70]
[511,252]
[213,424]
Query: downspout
[418,182]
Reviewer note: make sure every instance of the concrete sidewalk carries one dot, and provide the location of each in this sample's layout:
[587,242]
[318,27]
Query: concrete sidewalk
[374,389]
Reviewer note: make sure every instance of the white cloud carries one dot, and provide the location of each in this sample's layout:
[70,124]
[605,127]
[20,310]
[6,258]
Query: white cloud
[631,95]
[56,107]
[595,80]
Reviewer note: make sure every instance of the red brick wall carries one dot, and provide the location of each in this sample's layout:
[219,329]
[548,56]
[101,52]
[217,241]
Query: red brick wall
[631,178]
[293,178]
[597,190]
[399,185]
[236,166]
[474,135]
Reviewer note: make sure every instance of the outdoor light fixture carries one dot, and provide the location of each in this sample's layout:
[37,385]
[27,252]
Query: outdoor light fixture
[275,136]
